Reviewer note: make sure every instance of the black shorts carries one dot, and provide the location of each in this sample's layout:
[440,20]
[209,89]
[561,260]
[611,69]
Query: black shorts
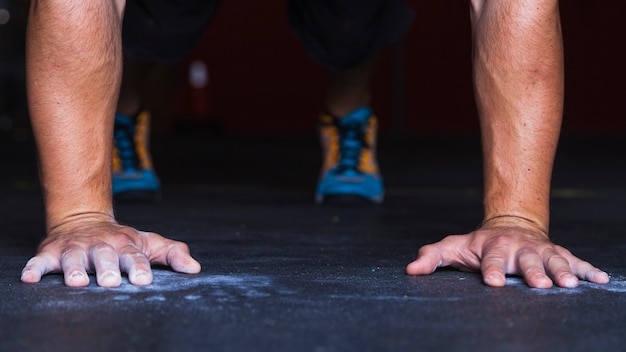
[337,33]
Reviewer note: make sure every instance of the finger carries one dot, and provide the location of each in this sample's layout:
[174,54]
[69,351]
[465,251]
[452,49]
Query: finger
[531,267]
[37,267]
[559,269]
[595,275]
[74,264]
[582,269]
[493,267]
[137,266]
[107,265]
[428,260]
[171,253]
[179,258]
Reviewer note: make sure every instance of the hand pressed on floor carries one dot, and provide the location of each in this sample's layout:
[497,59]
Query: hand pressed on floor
[108,249]
[497,250]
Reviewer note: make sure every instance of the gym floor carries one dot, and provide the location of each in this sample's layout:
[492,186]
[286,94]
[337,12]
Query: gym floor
[283,274]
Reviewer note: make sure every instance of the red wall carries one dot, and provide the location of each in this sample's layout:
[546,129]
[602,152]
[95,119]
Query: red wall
[262,80]
[595,66]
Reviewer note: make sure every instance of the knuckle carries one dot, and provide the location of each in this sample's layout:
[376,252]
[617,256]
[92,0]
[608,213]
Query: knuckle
[533,271]
[70,250]
[119,238]
[584,265]
[492,255]
[101,246]
[129,249]
[136,257]
[497,243]
[180,246]
[429,248]
[556,259]
[526,252]
[563,251]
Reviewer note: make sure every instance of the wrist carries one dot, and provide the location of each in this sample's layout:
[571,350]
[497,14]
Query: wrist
[511,220]
[56,224]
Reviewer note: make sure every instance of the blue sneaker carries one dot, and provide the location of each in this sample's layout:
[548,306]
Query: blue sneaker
[350,170]
[134,178]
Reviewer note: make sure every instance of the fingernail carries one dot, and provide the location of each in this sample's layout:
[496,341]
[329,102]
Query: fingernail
[569,280]
[141,278]
[24,274]
[495,279]
[603,278]
[599,277]
[495,276]
[110,279]
[76,273]
[110,274]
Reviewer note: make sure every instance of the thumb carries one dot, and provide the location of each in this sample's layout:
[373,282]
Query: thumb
[181,261]
[428,260]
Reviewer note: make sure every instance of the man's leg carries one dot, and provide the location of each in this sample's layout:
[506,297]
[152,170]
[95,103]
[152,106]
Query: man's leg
[345,37]
[134,178]
[349,88]
[518,74]
[73,73]
[134,77]
[348,135]
[154,31]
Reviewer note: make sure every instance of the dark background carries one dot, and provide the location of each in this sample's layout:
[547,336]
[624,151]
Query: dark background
[282,274]
[262,82]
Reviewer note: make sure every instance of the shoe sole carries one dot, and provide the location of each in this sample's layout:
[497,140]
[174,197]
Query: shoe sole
[347,199]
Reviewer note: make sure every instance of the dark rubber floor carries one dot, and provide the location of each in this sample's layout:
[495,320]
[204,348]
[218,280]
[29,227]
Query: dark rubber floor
[282,274]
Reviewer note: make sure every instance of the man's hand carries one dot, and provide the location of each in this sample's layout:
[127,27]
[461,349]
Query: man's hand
[498,249]
[103,246]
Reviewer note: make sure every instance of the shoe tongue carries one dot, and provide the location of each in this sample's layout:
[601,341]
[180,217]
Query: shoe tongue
[348,172]
[358,116]
[123,119]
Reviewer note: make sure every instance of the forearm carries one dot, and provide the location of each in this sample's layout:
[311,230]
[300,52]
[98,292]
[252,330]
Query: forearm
[74,65]
[518,68]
